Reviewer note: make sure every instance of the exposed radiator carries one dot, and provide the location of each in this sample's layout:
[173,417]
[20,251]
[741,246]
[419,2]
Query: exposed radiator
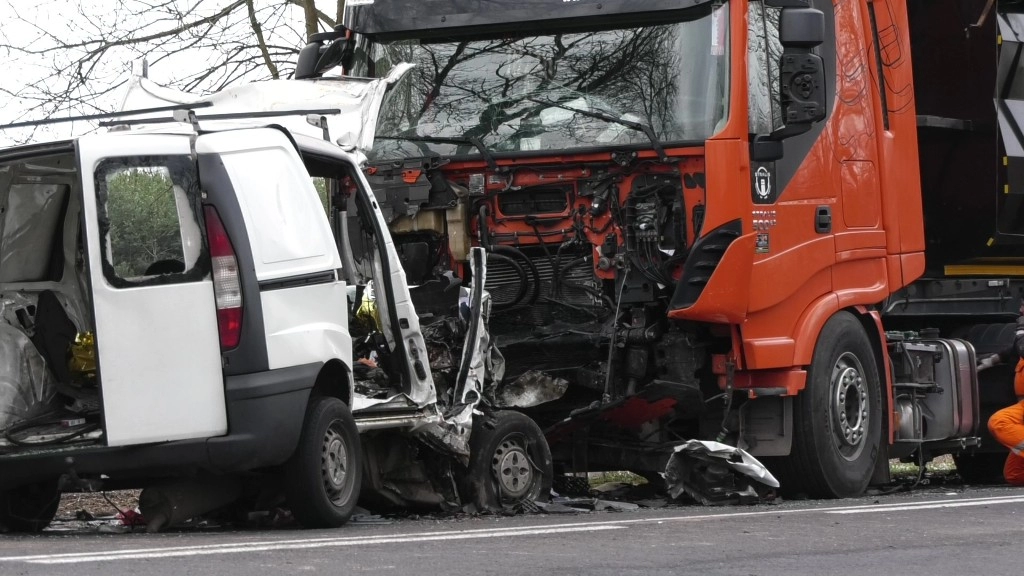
[574,301]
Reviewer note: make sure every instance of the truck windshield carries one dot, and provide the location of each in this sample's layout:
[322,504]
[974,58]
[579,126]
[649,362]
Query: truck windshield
[534,92]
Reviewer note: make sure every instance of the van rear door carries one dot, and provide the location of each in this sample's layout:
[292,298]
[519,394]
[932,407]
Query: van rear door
[157,339]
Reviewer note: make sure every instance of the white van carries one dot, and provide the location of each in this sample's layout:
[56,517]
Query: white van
[176,315]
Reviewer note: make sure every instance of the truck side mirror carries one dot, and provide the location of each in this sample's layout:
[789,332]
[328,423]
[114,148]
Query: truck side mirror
[316,57]
[802,73]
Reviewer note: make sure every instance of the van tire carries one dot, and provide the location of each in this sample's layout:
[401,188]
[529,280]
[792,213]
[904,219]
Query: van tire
[323,478]
[509,463]
[29,508]
[838,418]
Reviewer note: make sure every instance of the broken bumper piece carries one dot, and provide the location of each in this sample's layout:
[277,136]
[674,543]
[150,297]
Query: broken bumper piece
[717,474]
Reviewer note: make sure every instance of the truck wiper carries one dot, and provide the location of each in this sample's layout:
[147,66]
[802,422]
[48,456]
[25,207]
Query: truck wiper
[470,140]
[638,126]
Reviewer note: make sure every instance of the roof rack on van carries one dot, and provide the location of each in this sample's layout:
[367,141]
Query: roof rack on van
[105,115]
[224,116]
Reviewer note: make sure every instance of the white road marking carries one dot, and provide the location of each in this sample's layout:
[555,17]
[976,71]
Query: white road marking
[565,528]
[174,552]
[931,505]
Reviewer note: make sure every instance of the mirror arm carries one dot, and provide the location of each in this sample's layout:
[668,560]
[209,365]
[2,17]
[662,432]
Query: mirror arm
[787,3]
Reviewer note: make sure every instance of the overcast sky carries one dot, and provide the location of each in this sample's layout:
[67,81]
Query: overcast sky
[48,23]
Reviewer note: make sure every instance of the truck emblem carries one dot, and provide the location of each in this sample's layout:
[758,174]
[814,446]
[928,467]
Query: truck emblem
[763,183]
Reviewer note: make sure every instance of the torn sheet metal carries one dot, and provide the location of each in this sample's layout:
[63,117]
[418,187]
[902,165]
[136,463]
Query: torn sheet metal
[357,100]
[447,438]
[362,402]
[452,434]
[476,347]
[27,388]
[532,388]
[715,474]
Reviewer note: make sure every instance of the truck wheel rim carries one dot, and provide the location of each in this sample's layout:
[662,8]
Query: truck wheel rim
[849,406]
[513,468]
[334,465]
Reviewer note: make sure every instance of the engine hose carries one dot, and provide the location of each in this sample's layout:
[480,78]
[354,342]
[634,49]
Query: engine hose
[485,235]
[557,269]
[551,259]
[508,252]
[524,282]
[516,253]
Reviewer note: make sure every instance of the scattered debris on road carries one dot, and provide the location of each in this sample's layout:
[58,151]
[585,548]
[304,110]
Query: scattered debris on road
[716,474]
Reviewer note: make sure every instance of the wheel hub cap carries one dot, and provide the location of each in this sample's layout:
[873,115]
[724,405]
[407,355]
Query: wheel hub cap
[334,464]
[849,406]
[513,469]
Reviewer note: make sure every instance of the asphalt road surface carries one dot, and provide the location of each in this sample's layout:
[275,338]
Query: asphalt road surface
[933,531]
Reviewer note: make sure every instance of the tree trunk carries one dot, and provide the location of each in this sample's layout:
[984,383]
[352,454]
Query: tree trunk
[312,26]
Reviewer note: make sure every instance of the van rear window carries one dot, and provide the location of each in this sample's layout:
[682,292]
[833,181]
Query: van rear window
[150,233]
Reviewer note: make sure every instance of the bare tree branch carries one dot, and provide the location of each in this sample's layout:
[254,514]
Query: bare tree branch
[259,39]
[327,20]
[65,59]
[105,45]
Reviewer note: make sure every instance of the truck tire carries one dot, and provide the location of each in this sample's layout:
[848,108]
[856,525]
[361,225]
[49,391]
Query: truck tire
[29,508]
[323,478]
[837,418]
[509,462]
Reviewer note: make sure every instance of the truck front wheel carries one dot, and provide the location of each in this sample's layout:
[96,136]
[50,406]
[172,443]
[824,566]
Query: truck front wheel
[323,477]
[837,428]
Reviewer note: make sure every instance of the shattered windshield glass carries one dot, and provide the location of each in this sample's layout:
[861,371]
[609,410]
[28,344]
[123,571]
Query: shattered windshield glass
[557,91]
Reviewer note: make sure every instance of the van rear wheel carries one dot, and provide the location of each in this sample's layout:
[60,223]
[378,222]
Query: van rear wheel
[29,508]
[837,422]
[323,478]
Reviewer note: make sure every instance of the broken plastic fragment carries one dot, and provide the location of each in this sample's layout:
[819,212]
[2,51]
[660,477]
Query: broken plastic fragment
[713,473]
[532,388]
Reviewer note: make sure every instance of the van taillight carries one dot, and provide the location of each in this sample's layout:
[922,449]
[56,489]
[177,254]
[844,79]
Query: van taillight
[227,285]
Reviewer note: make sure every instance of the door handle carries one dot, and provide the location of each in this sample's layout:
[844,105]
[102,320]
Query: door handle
[823,220]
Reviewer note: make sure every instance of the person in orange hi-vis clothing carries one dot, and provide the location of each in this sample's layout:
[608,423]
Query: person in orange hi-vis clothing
[1007,425]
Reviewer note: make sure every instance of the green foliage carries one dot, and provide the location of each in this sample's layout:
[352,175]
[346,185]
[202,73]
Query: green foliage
[321,188]
[143,220]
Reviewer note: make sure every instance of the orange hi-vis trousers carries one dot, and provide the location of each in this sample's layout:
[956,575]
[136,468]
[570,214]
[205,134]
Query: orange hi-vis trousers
[1007,427]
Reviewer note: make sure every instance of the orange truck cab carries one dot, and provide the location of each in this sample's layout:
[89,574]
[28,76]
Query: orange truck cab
[789,225]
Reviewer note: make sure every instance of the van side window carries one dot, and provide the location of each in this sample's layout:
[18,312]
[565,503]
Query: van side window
[764,50]
[147,215]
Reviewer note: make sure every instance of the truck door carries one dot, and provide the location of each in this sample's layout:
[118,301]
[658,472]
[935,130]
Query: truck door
[157,340]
